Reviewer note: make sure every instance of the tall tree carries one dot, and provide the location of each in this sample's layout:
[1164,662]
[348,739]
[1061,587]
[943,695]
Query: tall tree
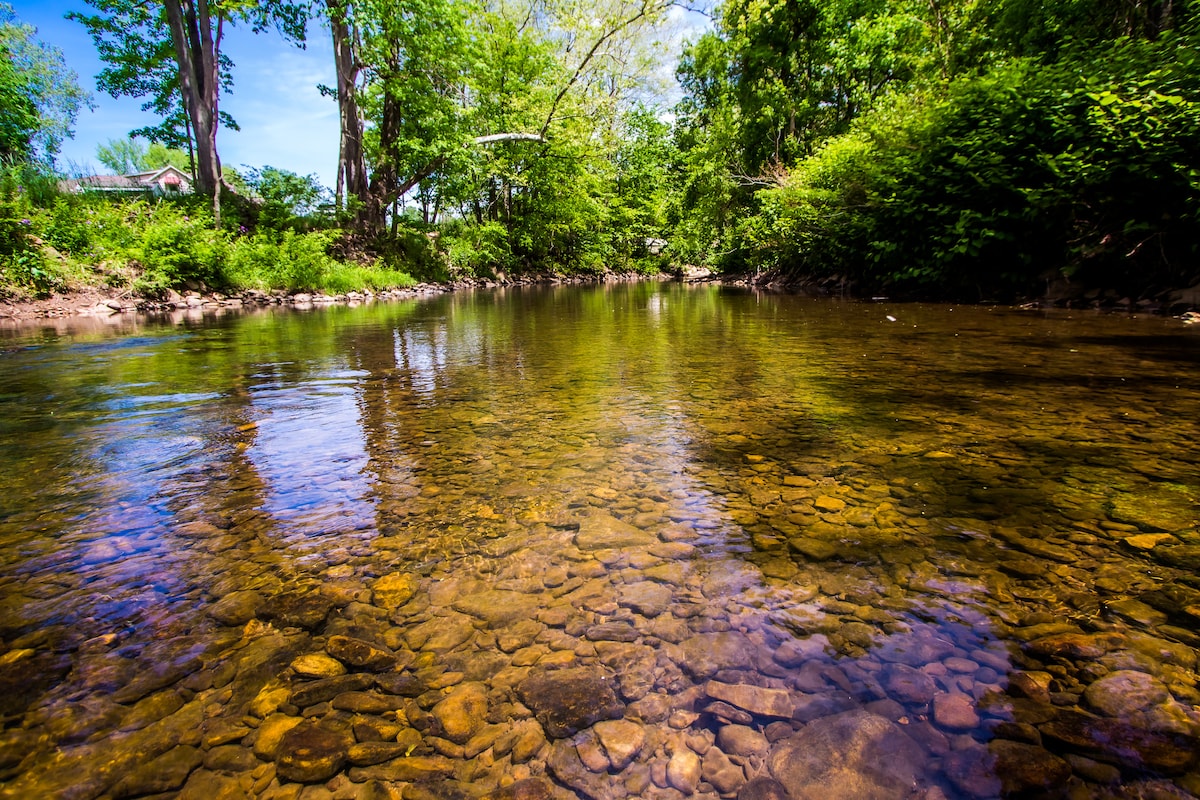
[40,96]
[196,29]
[352,164]
[135,46]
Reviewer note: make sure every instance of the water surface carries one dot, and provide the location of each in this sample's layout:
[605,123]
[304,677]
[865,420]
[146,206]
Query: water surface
[623,541]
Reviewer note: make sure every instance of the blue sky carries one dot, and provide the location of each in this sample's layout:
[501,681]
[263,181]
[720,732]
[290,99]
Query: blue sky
[285,122]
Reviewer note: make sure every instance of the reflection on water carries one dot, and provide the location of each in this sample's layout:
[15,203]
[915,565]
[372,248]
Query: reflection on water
[631,541]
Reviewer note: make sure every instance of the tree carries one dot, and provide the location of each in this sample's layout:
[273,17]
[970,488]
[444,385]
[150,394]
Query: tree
[40,96]
[196,28]
[126,156]
[136,48]
[286,199]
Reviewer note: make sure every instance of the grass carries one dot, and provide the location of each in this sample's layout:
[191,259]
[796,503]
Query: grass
[56,242]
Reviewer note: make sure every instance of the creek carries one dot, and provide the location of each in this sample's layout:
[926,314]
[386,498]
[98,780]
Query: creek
[620,541]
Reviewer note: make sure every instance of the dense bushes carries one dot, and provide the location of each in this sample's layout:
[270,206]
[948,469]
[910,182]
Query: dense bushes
[1084,167]
[57,241]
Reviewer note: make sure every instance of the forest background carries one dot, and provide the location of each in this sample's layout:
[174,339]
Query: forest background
[965,149]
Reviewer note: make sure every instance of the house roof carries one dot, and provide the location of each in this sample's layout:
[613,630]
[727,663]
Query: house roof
[136,181]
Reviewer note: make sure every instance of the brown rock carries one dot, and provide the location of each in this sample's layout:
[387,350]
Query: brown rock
[1074,645]
[763,788]
[758,700]
[622,741]
[566,701]
[708,653]
[683,771]
[394,589]
[1025,768]
[497,607]
[310,753]
[955,712]
[600,531]
[1119,742]
[359,653]
[463,712]
[318,665]
[1034,685]
[309,694]
[306,610]
[716,768]
[742,740]
[236,608]
[527,789]
[1121,693]
[854,755]
[367,753]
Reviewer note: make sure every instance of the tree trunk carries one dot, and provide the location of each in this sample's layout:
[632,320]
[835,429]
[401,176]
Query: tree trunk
[352,166]
[196,51]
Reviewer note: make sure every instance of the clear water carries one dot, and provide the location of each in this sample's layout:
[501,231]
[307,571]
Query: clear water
[977,524]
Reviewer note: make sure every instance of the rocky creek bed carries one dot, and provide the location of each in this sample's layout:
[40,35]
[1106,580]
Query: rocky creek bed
[592,609]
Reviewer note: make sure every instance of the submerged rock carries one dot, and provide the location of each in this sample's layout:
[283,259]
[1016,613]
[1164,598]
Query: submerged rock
[311,752]
[854,755]
[1117,741]
[1124,692]
[566,701]
[602,531]
[463,712]
[757,700]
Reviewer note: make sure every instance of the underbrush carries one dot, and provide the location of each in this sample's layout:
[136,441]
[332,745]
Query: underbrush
[54,242]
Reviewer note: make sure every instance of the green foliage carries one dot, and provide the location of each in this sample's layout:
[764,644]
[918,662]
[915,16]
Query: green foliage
[301,261]
[18,112]
[476,250]
[40,96]
[288,200]
[176,247]
[130,155]
[1083,167]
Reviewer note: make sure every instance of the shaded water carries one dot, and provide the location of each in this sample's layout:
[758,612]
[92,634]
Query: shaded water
[627,541]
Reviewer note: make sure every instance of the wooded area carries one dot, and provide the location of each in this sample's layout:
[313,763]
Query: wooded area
[960,148]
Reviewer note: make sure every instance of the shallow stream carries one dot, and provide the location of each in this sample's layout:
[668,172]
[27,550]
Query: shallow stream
[645,541]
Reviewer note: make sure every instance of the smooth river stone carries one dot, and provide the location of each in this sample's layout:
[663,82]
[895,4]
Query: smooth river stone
[955,712]
[646,598]
[311,752]
[394,589]
[306,610]
[463,712]
[236,608]
[566,701]
[854,755]
[708,653]
[758,700]
[742,740]
[359,653]
[827,503]
[601,531]
[908,685]
[683,771]
[1074,645]
[498,607]
[1124,692]
[622,741]
[318,665]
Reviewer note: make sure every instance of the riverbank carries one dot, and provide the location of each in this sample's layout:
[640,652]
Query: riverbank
[1058,293]
[94,302]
